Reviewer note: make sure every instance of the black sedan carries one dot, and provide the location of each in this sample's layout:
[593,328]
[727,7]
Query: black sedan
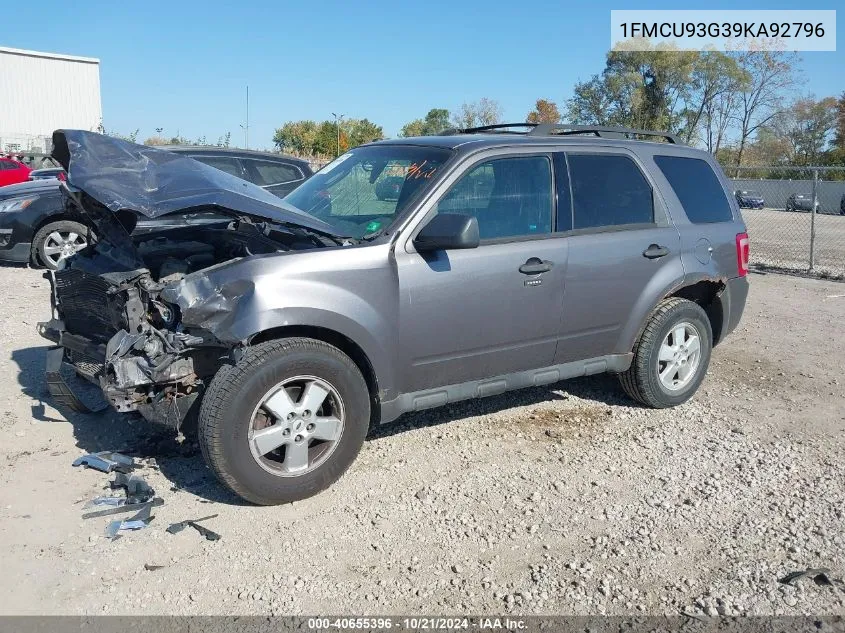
[747,199]
[801,202]
[37,227]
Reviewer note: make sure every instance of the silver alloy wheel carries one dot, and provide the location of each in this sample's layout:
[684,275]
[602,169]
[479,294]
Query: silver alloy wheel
[296,426]
[59,245]
[679,356]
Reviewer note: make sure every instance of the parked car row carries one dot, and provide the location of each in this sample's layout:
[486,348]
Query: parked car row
[749,199]
[36,226]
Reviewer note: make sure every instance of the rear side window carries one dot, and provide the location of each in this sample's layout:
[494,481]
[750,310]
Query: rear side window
[608,190]
[229,165]
[697,187]
[265,172]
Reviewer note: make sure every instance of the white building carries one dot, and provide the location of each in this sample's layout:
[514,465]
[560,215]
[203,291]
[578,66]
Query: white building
[42,92]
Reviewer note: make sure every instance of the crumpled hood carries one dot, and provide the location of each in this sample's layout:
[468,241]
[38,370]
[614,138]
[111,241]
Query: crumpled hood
[124,176]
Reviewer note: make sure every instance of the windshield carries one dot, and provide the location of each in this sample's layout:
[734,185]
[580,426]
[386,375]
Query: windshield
[363,191]
[750,193]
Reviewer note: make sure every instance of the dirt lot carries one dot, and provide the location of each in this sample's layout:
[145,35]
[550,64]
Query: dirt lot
[561,500]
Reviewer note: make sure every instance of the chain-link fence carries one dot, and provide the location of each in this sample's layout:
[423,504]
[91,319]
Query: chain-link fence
[795,217]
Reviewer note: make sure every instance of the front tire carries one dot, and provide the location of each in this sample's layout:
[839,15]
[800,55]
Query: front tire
[57,241]
[286,421]
[671,356]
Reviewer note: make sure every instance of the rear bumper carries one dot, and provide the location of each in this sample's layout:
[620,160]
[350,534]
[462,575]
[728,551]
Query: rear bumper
[733,300]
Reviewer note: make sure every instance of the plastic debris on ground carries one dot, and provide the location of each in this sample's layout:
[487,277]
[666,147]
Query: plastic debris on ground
[140,496]
[210,535]
[820,576]
[106,462]
[136,488]
[138,522]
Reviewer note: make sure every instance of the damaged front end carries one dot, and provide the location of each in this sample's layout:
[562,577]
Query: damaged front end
[116,332]
[110,319]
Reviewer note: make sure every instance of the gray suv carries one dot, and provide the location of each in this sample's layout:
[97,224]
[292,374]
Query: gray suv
[511,256]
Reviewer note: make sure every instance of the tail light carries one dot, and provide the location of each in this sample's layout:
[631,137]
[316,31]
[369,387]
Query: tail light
[742,252]
[61,175]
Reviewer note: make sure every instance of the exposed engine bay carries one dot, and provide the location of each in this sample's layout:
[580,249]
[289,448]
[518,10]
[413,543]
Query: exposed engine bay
[119,332]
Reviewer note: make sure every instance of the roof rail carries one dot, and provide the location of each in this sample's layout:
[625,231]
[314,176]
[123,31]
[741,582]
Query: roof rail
[565,129]
[603,131]
[498,128]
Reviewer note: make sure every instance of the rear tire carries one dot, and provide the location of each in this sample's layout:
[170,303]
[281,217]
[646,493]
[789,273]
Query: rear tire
[659,352]
[251,397]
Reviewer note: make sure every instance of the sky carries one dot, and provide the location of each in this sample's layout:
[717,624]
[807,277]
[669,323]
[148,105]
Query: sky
[185,65]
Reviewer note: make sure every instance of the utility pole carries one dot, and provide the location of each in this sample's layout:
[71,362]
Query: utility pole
[337,119]
[245,127]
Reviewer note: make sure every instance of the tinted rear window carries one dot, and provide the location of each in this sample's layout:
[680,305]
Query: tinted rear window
[697,187]
[265,172]
[608,190]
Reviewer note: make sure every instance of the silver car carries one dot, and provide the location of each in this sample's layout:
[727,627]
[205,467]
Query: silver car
[511,257]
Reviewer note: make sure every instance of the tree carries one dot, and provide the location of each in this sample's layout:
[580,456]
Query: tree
[594,103]
[806,130]
[482,112]
[715,80]
[434,122]
[544,112]
[646,89]
[326,140]
[311,138]
[771,77]
[156,140]
[298,137]
[360,131]
[839,140]
[693,94]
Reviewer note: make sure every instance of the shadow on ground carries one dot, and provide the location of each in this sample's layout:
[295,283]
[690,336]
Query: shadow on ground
[183,465]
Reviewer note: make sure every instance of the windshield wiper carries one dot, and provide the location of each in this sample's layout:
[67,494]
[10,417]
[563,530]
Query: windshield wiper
[369,237]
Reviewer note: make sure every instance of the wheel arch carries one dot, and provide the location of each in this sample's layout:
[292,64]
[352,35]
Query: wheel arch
[344,343]
[706,292]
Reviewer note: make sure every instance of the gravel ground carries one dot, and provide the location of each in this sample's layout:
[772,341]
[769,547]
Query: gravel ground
[560,500]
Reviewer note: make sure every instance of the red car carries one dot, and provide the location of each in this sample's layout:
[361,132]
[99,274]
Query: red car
[12,172]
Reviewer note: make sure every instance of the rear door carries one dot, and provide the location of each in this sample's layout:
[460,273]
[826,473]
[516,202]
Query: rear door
[622,248]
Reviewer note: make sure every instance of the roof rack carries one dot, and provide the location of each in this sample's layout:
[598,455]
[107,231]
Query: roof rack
[564,129]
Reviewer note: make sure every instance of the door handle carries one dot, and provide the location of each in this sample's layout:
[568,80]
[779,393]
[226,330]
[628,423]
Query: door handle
[535,266]
[654,251]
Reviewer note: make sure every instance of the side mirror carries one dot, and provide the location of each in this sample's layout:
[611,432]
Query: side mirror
[448,231]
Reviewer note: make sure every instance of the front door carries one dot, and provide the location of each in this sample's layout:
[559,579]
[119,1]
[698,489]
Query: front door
[493,310]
